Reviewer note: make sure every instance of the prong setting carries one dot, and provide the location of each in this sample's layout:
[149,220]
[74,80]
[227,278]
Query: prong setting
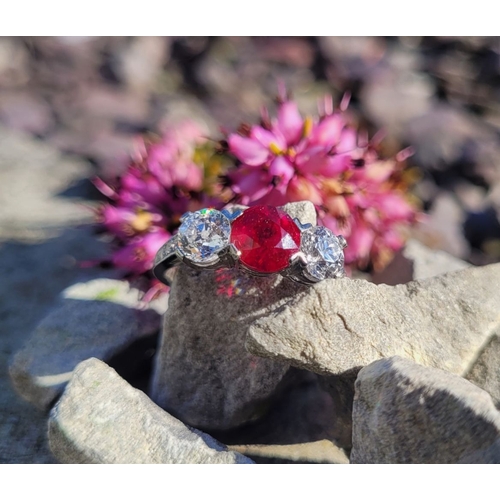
[342,241]
[184,216]
[232,215]
[301,226]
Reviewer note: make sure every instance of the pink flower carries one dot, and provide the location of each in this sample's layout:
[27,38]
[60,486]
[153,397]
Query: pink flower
[138,255]
[290,146]
[163,180]
[288,158]
[326,161]
[125,222]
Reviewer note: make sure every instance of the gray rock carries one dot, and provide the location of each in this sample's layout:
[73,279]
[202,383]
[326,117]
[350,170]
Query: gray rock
[407,413]
[394,97]
[101,419]
[39,255]
[96,318]
[485,371]
[203,373]
[445,223]
[353,57]
[34,180]
[14,63]
[26,111]
[417,262]
[139,62]
[337,326]
[303,210]
[317,452]
[445,135]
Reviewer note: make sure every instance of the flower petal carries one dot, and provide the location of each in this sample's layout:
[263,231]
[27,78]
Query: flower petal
[252,183]
[348,141]
[327,132]
[395,207]
[335,165]
[248,150]
[300,188]
[290,123]
[281,167]
[360,242]
[138,255]
[274,197]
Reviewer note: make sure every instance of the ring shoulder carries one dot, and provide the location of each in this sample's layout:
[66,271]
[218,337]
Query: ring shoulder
[165,252]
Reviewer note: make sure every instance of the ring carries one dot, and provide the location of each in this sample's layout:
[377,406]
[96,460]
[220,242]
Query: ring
[261,240]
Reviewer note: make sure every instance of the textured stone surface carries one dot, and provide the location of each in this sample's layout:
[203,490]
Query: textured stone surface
[417,262]
[203,374]
[34,180]
[407,413]
[445,222]
[96,318]
[101,419]
[337,326]
[304,211]
[40,197]
[319,452]
[485,371]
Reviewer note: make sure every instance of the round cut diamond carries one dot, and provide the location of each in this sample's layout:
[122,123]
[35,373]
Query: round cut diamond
[323,252]
[266,238]
[203,234]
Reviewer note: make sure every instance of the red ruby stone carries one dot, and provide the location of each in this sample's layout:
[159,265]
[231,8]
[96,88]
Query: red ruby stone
[266,237]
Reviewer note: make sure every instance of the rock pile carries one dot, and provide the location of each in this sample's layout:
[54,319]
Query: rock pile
[376,373]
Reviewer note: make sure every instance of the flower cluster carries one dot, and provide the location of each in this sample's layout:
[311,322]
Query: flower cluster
[164,179]
[357,194]
[289,158]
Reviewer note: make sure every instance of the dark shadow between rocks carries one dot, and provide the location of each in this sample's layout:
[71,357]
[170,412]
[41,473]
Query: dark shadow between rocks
[341,389]
[480,227]
[134,363]
[303,411]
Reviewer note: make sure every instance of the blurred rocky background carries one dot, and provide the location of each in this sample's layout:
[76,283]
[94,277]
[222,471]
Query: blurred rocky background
[70,108]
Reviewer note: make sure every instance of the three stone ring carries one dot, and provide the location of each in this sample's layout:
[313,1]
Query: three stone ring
[261,240]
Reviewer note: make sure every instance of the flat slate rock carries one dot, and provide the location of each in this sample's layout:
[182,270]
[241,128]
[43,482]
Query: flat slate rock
[100,419]
[96,318]
[203,374]
[407,413]
[338,326]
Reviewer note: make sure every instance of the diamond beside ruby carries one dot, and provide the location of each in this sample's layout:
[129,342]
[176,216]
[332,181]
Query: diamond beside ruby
[266,238]
[261,239]
[203,234]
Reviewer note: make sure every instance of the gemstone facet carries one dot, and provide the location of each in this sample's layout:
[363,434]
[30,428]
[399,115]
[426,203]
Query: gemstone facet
[266,238]
[203,234]
[323,253]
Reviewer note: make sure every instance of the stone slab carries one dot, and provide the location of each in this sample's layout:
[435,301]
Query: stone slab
[407,413]
[337,326]
[203,373]
[101,419]
[96,318]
